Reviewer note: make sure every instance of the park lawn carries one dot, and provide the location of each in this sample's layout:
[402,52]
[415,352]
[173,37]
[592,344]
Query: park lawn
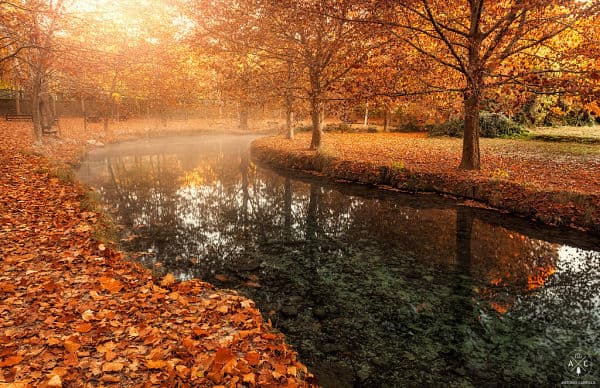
[556,183]
[74,312]
[585,132]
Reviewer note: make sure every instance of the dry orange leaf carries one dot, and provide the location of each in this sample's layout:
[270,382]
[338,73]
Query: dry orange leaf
[83,327]
[53,341]
[71,346]
[7,287]
[87,315]
[11,361]
[54,381]
[111,285]
[200,332]
[223,355]
[110,355]
[133,332]
[82,228]
[246,304]
[223,309]
[112,366]
[158,364]
[16,384]
[167,280]
[253,358]
[249,378]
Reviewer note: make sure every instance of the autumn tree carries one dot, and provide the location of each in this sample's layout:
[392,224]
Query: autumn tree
[318,37]
[45,19]
[477,39]
[28,38]
[227,31]
[133,57]
[314,42]
[12,25]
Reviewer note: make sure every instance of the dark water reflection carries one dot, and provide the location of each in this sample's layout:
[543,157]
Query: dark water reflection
[372,288]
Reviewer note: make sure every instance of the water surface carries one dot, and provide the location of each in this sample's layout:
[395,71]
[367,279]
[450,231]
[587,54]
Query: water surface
[371,288]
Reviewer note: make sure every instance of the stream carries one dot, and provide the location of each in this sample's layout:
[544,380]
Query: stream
[372,288]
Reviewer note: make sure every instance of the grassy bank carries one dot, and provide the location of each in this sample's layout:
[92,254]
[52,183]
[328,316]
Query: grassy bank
[554,183]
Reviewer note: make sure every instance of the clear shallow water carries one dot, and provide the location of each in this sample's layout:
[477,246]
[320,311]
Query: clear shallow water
[372,288]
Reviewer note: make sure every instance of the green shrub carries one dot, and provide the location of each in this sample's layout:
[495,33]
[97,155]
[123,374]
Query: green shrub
[490,125]
[409,124]
[343,127]
[303,128]
[453,128]
[578,118]
[498,125]
[553,111]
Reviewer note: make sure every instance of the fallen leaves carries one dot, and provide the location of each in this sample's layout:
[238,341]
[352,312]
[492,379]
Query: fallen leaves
[83,327]
[112,367]
[7,287]
[71,346]
[167,280]
[110,285]
[87,315]
[74,312]
[55,381]
[11,361]
[156,364]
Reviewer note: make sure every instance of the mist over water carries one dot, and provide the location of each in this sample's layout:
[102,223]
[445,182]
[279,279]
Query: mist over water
[371,288]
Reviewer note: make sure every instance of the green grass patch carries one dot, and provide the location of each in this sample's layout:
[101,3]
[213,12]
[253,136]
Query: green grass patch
[397,166]
[64,174]
[322,159]
[105,230]
[564,139]
[29,152]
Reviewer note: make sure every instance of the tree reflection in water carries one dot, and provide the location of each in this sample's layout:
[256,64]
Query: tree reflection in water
[372,288]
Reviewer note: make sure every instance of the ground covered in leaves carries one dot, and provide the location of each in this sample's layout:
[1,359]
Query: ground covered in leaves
[555,183]
[74,313]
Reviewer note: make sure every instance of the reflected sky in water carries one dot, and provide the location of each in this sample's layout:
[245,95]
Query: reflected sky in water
[372,288]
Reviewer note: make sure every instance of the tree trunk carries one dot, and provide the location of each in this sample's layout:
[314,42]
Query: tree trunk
[366,122]
[289,104]
[106,126]
[35,109]
[46,111]
[472,95]
[106,116]
[317,129]
[84,113]
[316,106]
[54,114]
[470,155]
[244,116]
[18,103]
[289,123]
[386,118]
